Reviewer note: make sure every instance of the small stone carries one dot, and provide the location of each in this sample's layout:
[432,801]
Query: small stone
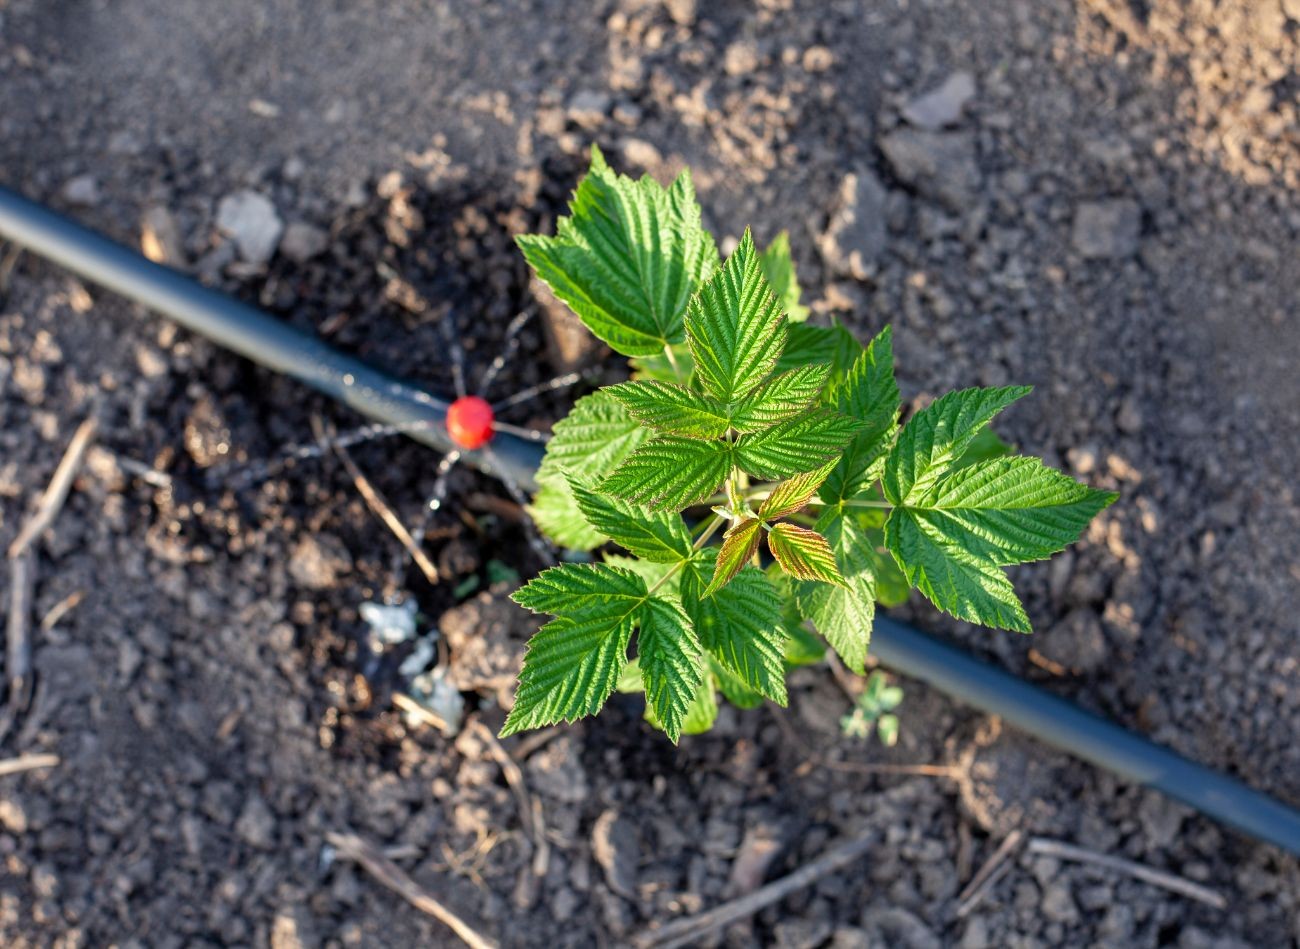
[639,152]
[895,927]
[556,772]
[1107,229]
[302,242]
[1078,642]
[1058,904]
[256,824]
[939,165]
[740,59]
[1129,416]
[588,107]
[82,190]
[856,234]
[250,220]
[318,561]
[818,59]
[942,106]
[614,845]
[160,238]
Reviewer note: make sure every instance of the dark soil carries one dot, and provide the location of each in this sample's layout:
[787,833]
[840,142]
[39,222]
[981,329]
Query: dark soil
[1113,218]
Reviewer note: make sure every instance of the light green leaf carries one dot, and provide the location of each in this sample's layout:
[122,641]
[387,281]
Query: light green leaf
[653,536]
[733,687]
[783,395]
[570,669]
[968,585]
[1010,510]
[671,663]
[791,496]
[803,553]
[734,326]
[833,345]
[593,438]
[670,471]
[653,573]
[628,258]
[659,368]
[739,626]
[739,544]
[778,267]
[796,445]
[673,408]
[937,436]
[843,614]
[985,446]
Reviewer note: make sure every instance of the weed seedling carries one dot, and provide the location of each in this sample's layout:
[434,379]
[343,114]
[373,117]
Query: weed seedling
[767,431]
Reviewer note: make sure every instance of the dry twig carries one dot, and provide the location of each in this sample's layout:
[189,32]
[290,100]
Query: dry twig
[375,501]
[530,810]
[694,928]
[372,859]
[993,869]
[1161,878]
[428,717]
[27,763]
[22,575]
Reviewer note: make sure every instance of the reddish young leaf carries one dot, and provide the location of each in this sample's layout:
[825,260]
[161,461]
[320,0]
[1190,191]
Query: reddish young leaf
[738,546]
[804,554]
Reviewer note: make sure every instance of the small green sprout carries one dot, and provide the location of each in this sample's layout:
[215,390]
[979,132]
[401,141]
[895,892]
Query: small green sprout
[872,711]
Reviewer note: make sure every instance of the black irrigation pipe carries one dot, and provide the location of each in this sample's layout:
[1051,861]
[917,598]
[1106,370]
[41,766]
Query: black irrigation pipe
[273,344]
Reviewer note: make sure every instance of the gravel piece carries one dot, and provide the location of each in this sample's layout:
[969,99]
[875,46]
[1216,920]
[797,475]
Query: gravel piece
[82,190]
[941,106]
[614,845]
[856,235]
[939,165]
[302,242]
[251,221]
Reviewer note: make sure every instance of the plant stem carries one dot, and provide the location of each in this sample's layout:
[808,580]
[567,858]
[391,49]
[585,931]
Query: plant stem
[699,542]
[672,362]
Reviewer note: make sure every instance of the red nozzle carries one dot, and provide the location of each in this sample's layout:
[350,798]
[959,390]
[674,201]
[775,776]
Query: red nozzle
[469,422]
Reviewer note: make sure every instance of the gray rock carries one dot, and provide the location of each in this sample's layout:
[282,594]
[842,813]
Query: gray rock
[939,165]
[588,107]
[941,106]
[256,824]
[892,926]
[1107,229]
[1058,903]
[82,190]
[856,235]
[250,220]
[614,845]
[556,772]
[1078,642]
[302,242]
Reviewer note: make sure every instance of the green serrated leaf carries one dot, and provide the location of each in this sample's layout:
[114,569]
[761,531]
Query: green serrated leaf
[739,545]
[570,669]
[793,495]
[628,258]
[952,540]
[1010,510]
[739,626]
[733,687]
[670,471]
[937,436]
[651,535]
[780,397]
[796,445]
[734,326]
[655,573]
[673,408]
[574,588]
[867,392]
[803,553]
[593,438]
[671,663]
[778,267]
[969,586]
[843,614]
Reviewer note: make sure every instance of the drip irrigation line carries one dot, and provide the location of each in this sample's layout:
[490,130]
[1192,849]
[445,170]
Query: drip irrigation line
[273,344]
[249,332]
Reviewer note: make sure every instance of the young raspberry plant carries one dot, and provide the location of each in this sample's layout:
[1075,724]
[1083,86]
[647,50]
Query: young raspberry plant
[776,433]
